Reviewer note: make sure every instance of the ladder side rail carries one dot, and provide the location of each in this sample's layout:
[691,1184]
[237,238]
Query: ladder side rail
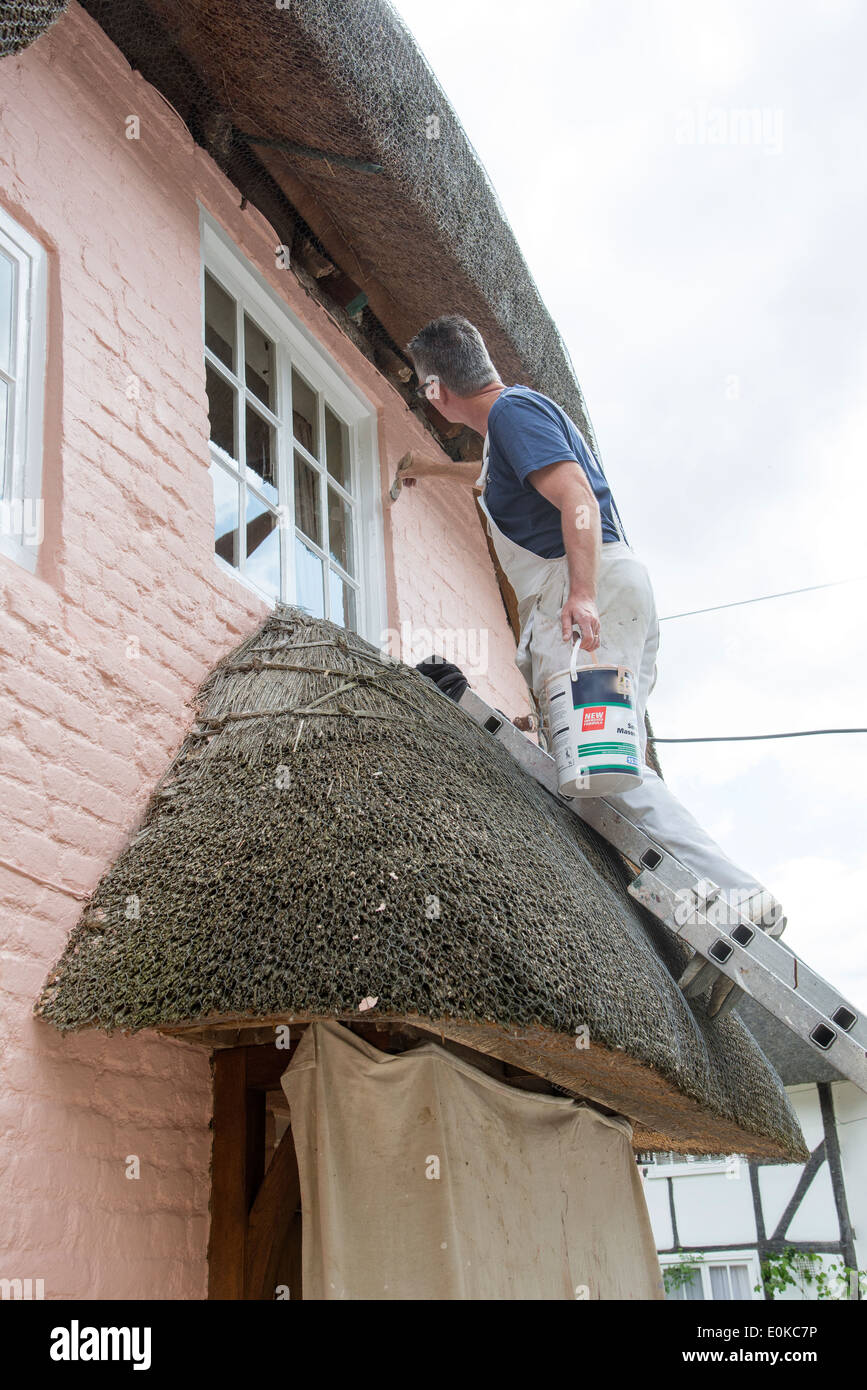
[670,873]
[755,978]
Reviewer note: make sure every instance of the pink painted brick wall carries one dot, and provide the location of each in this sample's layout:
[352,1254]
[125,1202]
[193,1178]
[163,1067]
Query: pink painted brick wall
[84,730]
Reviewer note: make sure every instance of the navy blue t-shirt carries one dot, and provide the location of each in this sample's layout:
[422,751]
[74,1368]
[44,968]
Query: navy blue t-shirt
[527,430]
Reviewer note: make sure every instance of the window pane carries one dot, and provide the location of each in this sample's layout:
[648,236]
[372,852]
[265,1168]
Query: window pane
[740,1277]
[263,547]
[691,1291]
[259,362]
[219,322]
[221,411]
[340,530]
[260,444]
[342,599]
[7,302]
[304,414]
[336,448]
[225,514]
[308,512]
[308,581]
[719,1282]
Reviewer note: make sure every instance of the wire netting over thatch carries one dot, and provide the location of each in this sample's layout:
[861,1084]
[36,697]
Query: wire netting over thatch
[335,829]
[22,21]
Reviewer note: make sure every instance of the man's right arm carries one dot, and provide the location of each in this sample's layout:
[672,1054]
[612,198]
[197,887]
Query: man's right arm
[414,466]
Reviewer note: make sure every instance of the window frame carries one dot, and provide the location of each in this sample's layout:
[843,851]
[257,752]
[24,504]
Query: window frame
[21,469]
[296,347]
[692,1166]
[707,1259]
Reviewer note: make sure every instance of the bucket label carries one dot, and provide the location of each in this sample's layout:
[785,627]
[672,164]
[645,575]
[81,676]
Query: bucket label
[595,754]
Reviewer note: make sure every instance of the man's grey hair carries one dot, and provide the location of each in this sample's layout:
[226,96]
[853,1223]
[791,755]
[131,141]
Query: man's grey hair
[453,350]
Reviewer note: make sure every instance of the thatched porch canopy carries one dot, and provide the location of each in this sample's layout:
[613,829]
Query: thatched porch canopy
[337,839]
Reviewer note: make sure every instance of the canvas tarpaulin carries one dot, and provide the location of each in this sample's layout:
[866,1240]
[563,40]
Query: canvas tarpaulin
[423,1177]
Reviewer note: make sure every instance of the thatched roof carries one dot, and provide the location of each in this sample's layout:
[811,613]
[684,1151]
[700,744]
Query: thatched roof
[22,22]
[334,830]
[413,220]
[795,1061]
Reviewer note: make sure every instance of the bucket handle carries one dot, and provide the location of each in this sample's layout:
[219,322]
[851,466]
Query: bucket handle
[573,664]
[624,675]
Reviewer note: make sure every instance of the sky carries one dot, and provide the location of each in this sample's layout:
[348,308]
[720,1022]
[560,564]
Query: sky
[687,185]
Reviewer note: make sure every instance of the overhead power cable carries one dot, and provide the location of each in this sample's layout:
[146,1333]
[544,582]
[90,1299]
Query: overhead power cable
[762,598]
[746,738]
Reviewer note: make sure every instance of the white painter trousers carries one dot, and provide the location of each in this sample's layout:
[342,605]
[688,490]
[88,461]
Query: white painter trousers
[629,636]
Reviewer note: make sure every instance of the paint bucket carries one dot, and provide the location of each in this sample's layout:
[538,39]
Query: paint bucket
[593,729]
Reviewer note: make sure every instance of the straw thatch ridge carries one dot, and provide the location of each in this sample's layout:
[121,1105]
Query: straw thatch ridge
[333,830]
[427,235]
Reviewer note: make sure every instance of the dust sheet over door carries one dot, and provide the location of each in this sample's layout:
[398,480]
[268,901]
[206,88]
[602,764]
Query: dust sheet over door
[423,1178]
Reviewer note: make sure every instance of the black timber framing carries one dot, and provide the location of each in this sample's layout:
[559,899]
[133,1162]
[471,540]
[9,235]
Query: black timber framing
[826,1151]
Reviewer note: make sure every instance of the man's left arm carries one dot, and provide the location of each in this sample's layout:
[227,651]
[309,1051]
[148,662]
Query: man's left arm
[565,485]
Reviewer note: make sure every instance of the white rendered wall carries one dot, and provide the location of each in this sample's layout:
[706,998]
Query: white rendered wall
[715,1209]
[850,1107]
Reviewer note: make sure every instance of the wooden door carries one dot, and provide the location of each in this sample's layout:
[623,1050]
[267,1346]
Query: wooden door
[254,1250]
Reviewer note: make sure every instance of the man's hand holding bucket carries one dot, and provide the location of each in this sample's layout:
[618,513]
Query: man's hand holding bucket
[580,611]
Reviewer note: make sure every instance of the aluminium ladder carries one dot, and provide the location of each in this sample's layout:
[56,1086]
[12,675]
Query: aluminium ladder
[725,941]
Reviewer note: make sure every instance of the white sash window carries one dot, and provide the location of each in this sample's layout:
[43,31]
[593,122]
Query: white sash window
[715,1275]
[293,452]
[22,378]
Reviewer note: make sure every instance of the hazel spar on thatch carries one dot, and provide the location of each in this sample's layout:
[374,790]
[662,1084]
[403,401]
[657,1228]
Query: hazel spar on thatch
[335,830]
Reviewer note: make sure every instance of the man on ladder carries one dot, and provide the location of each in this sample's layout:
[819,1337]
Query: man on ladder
[558,537]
